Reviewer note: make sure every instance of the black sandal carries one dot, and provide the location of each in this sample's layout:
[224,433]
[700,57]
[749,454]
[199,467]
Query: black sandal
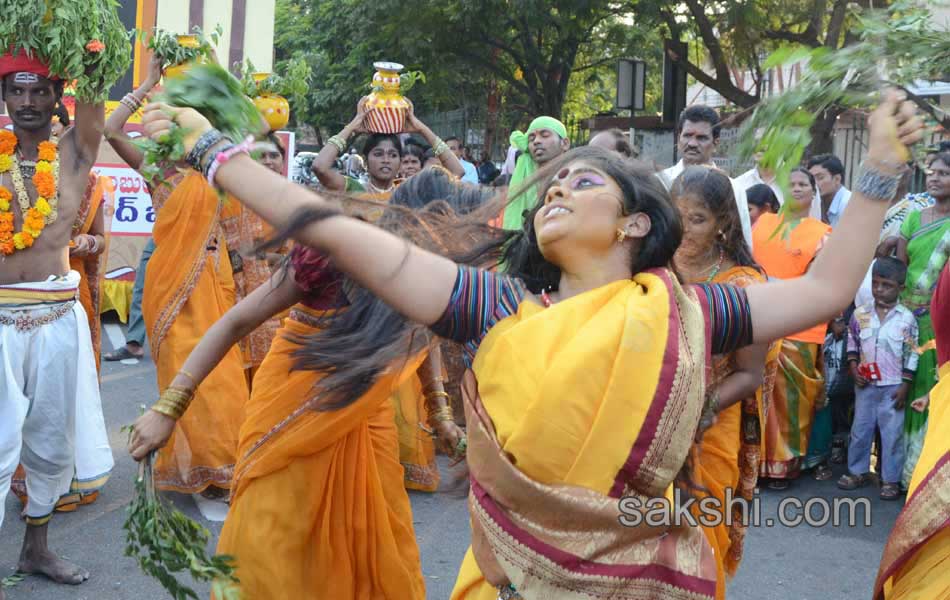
[852,482]
[890,491]
[122,353]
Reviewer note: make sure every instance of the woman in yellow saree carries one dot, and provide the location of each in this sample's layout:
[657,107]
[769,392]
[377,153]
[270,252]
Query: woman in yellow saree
[727,458]
[916,560]
[588,383]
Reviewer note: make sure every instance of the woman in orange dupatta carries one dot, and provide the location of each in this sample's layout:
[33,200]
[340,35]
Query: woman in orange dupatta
[786,250]
[916,560]
[243,230]
[188,287]
[588,382]
[383,154]
[88,254]
[727,458]
[318,507]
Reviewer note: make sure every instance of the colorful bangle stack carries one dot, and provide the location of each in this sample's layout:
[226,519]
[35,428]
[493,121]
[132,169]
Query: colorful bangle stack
[338,142]
[131,102]
[207,140]
[174,402]
[439,147]
[227,154]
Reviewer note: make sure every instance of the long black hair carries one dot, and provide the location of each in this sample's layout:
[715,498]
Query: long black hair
[642,193]
[356,345]
[714,189]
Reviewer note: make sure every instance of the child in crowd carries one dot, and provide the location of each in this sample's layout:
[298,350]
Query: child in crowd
[839,386]
[882,357]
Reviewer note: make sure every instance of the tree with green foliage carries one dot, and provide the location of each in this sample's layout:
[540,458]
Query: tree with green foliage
[529,49]
[735,36]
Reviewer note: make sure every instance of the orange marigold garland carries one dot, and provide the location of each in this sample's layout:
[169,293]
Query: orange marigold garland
[41,213]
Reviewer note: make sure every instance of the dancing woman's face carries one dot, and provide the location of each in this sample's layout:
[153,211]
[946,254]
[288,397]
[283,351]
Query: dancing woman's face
[582,213]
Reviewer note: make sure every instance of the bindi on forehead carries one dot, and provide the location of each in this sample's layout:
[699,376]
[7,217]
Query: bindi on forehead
[563,173]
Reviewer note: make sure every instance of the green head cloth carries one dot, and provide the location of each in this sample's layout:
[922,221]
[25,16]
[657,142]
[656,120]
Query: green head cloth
[524,169]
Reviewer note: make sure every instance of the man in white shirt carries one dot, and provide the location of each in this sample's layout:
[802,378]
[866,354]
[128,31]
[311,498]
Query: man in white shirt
[697,140]
[471,173]
[829,174]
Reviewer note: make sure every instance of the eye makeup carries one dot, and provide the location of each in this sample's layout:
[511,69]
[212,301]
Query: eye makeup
[588,178]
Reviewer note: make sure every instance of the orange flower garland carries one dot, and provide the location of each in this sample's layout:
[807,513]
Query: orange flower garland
[45,180]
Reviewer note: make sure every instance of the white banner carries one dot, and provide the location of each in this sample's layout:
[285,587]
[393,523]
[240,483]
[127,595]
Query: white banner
[133,204]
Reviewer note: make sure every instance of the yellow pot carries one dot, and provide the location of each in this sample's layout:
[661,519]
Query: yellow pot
[275,109]
[187,41]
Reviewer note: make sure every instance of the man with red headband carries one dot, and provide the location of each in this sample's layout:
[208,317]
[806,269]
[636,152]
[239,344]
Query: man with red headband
[47,369]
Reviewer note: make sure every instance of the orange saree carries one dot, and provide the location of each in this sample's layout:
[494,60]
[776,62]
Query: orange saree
[99,198]
[243,229]
[188,287]
[318,506]
[727,458]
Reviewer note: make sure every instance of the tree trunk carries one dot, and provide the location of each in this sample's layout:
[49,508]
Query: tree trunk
[822,133]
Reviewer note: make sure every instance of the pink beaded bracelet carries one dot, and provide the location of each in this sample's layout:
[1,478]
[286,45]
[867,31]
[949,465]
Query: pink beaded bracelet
[227,154]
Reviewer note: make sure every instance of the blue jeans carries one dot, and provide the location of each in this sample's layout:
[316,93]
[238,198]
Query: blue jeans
[136,333]
[874,407]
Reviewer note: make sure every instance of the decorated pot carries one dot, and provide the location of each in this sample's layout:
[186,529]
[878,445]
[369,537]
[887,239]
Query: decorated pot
[387,108]
[185,41]
[274,108]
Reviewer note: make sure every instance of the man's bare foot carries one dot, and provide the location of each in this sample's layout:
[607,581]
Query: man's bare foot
[48,564]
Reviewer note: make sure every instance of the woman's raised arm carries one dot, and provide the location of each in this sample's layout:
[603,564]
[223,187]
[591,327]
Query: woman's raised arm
[785,307]
[413,281]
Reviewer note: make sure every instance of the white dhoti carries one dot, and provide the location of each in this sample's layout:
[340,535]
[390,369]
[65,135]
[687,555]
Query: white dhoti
[49,393]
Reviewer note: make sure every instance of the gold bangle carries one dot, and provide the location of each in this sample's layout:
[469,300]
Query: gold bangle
[441,414]
[174,402]
[437,394]
[194,382]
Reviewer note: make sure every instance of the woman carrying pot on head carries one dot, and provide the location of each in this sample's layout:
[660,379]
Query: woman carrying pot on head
[556,437]
[383,154]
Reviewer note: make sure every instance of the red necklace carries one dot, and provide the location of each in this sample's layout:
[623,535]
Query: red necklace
[546,299]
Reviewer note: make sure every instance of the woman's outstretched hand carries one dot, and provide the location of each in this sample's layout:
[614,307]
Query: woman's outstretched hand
[150,432]
[894,126]
[160,118]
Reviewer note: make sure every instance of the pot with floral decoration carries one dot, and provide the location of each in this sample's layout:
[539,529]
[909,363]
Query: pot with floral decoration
[270,91]
[181,52]
[386,106]
[274,108]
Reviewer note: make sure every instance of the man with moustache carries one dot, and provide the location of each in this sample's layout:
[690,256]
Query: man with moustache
[48,378]
[545,139]
[697,140]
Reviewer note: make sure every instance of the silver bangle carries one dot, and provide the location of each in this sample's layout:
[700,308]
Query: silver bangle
[877,185]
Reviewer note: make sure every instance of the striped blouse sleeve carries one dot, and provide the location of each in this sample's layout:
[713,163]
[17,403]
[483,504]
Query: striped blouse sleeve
[730,320]
[479,299]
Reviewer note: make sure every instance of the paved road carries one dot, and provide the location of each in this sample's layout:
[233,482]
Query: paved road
[781,563]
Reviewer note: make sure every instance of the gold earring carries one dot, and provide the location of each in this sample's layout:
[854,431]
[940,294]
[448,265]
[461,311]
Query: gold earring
[621,236]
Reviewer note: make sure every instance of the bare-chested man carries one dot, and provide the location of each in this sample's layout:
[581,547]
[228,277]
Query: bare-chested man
[46,356]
